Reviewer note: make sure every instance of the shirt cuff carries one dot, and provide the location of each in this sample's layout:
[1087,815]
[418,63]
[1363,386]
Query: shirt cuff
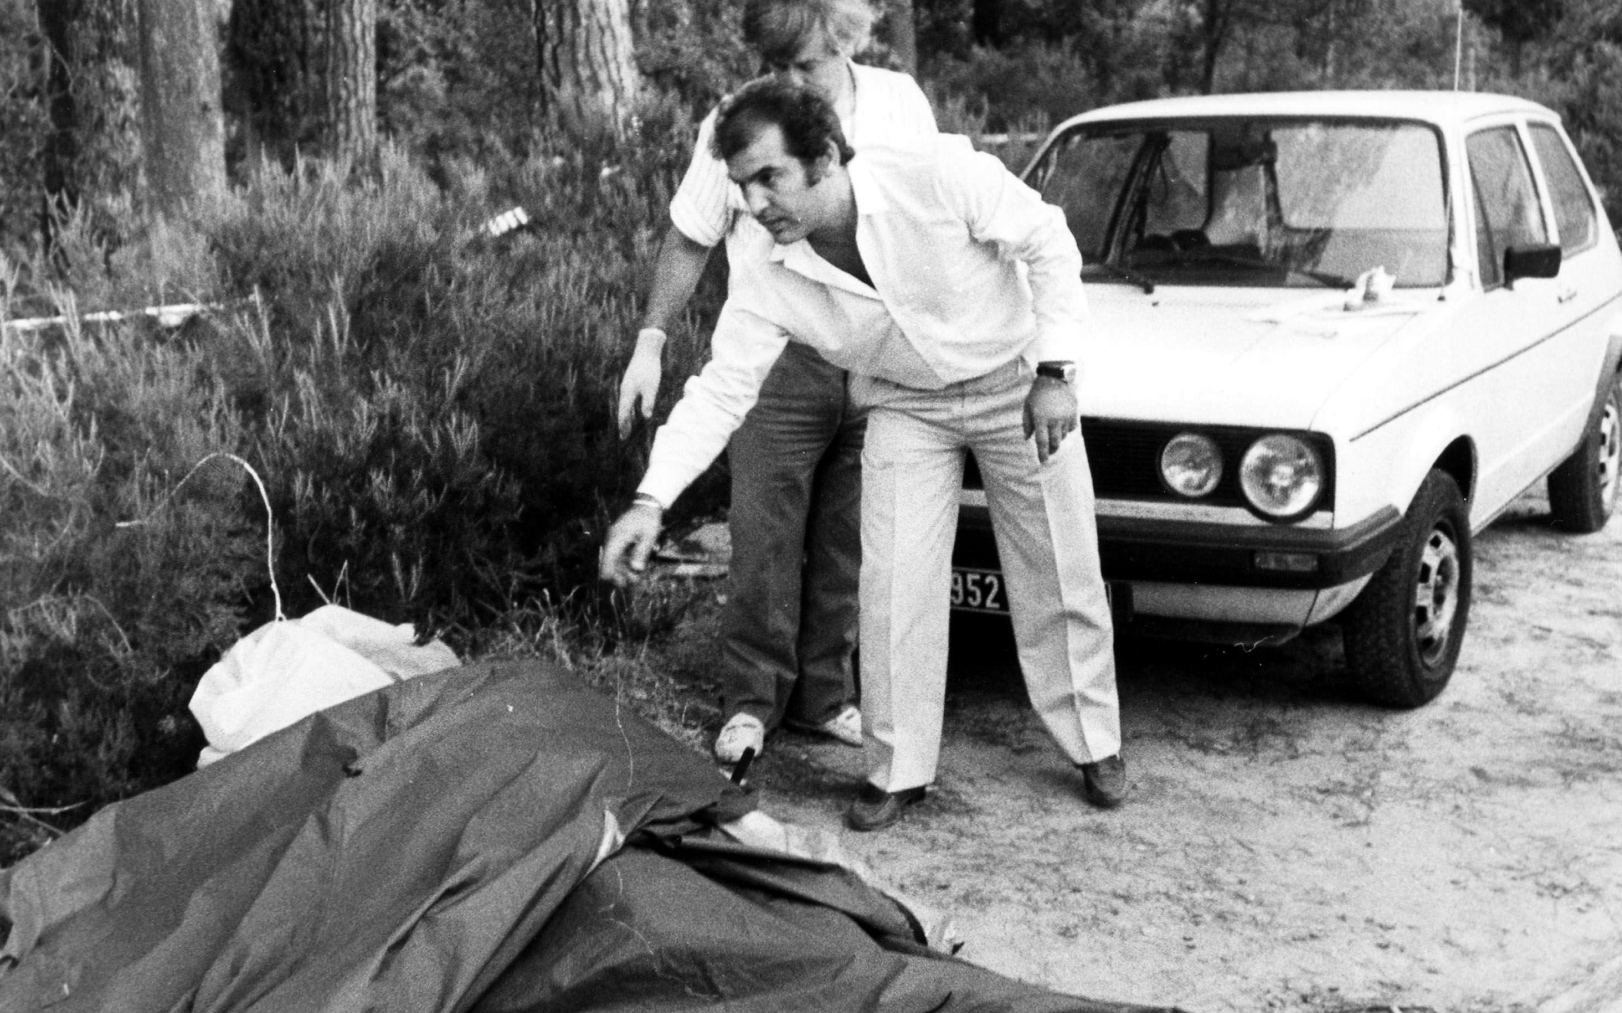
[664,484]
[1056,346]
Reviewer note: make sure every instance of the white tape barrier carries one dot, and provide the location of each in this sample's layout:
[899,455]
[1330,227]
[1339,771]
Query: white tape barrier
[167,316]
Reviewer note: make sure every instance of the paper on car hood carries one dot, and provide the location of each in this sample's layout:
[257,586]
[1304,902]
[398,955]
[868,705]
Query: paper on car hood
[1232,357]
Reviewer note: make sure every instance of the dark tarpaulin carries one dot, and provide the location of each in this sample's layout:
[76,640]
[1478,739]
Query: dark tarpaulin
[669,929]
[394,852]
[434,842]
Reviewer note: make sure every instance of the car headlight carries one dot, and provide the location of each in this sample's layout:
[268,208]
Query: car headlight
[1191,464]
[1281,475]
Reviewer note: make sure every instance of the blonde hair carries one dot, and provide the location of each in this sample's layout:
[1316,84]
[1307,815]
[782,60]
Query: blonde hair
[780,29]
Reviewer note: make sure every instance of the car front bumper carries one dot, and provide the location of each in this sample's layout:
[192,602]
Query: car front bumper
[1197,552]
[1271,577]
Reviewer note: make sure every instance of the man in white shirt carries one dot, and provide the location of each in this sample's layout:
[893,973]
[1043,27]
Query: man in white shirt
[952,293]
[789,627]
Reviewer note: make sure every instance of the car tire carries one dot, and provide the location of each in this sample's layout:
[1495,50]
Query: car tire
[1583,489]
[1402,634]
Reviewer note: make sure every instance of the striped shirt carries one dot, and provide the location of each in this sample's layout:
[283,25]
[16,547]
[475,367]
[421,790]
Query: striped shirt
[889,107]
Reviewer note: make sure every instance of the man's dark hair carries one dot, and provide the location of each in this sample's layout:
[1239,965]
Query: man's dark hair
[807,120]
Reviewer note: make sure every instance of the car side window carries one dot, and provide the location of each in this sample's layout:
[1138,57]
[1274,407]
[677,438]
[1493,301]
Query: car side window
[1573,208]
[1507,210]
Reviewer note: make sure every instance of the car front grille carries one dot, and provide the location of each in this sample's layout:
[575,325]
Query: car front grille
[1125,461]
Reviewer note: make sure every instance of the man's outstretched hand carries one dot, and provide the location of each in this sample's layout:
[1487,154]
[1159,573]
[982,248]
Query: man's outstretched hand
[1051,414]
[630,541]
[639,387]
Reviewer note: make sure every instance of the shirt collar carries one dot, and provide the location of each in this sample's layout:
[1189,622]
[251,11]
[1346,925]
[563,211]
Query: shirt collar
[870,196]
[800,258]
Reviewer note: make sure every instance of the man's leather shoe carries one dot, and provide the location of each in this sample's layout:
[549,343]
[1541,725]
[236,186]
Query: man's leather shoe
[875,808]
[1104,783]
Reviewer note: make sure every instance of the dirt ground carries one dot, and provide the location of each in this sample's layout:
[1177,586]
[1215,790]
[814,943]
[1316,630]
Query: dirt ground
[1286,847]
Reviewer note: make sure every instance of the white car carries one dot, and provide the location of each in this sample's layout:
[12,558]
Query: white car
[1335,335]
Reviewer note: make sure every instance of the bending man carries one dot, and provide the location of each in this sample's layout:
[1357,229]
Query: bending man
[789,626]
[953,294]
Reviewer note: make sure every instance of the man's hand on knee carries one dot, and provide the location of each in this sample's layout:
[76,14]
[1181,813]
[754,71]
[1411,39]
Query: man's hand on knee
[1051,414]
[630,541]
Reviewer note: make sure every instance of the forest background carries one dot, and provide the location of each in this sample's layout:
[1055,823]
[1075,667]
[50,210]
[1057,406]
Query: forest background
[429,403]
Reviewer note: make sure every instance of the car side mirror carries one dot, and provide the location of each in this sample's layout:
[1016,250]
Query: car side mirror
[1534,261]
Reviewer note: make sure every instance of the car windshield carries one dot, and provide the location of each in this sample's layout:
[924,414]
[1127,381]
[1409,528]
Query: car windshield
[1280,202]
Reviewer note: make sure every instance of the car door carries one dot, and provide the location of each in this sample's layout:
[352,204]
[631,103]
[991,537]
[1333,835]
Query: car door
[1589,287]
[1517,371]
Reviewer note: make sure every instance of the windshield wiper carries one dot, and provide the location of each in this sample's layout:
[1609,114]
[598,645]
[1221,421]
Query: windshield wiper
[1125,274]
[1324,278]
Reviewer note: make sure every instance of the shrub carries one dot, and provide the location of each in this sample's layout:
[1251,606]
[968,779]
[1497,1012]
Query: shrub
[1033,83]
[104,624]
[694,52]
[431,410]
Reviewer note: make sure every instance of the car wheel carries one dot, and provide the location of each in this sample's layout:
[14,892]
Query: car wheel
[1403,632]
[1583,490]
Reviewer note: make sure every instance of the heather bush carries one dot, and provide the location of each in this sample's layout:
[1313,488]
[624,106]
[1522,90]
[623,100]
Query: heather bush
[459,387]
[1008,90]
[115,585]
[430,408]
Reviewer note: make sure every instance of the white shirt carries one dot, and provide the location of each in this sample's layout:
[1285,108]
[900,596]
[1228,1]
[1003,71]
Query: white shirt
[887,107]
[970,269]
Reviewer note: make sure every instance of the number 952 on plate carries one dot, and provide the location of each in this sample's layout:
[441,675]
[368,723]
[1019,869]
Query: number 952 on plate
[978,591]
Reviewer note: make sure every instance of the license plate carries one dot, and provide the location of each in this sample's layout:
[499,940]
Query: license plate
[983,591]
[978,591]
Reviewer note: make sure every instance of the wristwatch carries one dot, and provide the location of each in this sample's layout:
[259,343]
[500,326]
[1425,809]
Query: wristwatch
[1057,370]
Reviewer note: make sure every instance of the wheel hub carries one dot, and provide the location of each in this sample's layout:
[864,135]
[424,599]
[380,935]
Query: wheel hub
[1436,595]
[1610,453]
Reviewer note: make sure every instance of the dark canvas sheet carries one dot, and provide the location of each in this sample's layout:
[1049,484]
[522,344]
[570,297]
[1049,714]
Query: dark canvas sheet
[451,841]
[394,852]
[669,930]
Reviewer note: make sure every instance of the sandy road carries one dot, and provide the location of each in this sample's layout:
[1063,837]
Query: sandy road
[1286,847]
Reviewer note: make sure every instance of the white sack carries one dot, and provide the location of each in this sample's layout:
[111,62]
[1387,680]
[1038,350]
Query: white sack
[285,671]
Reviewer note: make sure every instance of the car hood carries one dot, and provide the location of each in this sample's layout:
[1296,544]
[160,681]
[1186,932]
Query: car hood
[1229,356]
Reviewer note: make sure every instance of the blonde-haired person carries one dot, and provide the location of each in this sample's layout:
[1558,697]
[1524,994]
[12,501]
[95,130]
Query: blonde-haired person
[789,628]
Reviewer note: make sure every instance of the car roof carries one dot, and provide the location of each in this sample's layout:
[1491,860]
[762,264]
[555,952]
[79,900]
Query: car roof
[1443,108]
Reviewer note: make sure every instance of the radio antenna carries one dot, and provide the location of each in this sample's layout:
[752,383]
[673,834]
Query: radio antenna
[1458,45]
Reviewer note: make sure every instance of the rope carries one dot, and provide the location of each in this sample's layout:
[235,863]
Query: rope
[270,518]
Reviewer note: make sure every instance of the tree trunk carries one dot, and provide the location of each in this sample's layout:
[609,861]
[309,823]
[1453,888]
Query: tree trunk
[901,31]
[1331,40]
[91,100]
[589,79]
[274,84]
[1216,20]
[985,23]
[352,81]
[182,126]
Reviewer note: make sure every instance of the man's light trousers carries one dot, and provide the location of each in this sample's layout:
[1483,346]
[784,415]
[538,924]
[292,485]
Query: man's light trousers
[1042,517]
